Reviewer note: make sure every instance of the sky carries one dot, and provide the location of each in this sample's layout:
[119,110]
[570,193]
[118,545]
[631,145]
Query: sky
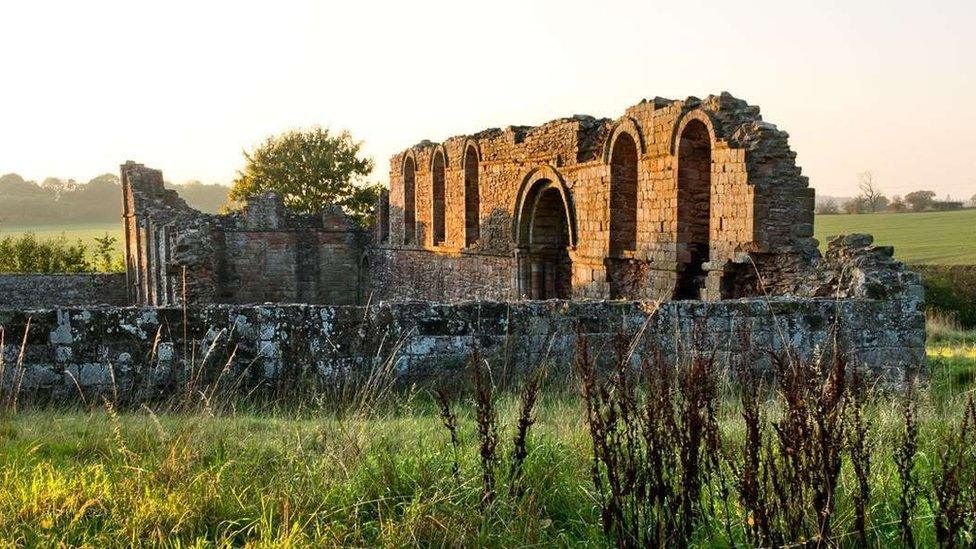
[186,86]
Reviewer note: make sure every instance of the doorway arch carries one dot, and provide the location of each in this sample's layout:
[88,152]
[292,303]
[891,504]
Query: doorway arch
[545,233]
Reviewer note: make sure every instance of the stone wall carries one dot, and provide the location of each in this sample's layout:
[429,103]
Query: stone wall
[36,290]
[669,200]
[142,350]
[444,277]
[264,253]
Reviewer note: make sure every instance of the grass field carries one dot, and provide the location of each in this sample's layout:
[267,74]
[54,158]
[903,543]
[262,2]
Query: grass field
[303,477]
[85,232]
[940,238]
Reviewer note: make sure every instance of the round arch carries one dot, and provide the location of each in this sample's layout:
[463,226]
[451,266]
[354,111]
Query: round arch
[470,167]
[544,230]
[409,154]
[470,143]
[537,180]
[438,195]
[685,119]
[694,145]
[439,148]
[408,179]
[624,125]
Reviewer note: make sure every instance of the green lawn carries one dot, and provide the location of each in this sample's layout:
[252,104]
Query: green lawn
[945,238]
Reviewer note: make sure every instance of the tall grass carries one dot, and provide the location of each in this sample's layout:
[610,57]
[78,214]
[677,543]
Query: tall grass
[633,450]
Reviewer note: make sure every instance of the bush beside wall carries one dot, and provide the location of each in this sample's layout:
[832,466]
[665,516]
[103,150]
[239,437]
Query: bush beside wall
[951,289]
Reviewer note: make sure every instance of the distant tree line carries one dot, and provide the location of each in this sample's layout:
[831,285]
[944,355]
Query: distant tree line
[872,199]
[56,201]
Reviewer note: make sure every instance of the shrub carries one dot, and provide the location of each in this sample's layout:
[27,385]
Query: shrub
[29,254]
[951,289]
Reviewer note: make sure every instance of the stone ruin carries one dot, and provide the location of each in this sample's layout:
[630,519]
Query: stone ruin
[263,253]
[685,216]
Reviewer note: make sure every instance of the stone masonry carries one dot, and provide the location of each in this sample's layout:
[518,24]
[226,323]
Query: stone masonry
[141,351]
[687,218]
[265,253]
[674,199]
[37,290]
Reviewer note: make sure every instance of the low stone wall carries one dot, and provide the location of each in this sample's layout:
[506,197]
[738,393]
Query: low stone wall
[143,350]
[51,290]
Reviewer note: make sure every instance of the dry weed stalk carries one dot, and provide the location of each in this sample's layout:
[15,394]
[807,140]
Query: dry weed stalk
[904,458]
[487,420]
[449,419]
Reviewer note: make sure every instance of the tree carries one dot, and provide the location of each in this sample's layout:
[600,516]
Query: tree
[920,200]
[58,186]
[855,205]
[972,201]
[828,207]
[310,169]
[873,199]
[897,205]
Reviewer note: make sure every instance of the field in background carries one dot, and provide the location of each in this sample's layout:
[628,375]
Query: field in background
[85,232]
[936,238]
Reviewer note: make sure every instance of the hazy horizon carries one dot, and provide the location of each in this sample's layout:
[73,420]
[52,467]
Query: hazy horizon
[880,86]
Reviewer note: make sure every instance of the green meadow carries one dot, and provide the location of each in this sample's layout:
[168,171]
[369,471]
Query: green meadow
[934,238]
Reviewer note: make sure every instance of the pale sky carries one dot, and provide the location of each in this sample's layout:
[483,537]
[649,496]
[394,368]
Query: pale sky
[184,86]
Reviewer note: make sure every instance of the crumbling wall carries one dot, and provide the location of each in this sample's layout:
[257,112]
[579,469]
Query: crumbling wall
[141,351]
[265,253]
[18,291]
[757,210]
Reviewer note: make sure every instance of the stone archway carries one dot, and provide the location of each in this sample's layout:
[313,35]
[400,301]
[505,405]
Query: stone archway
[694,153]
[545,235]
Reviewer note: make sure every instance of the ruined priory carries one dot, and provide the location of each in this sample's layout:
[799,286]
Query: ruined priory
[695,206]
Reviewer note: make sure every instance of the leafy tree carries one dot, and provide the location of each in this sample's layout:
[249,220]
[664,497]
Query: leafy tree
[105,258]
[897,205]
[309,169]
[920,200]
[972,201]
[14,184]
[58,186]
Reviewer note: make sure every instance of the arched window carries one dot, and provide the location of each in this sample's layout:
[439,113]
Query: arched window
[409,202]
[623,195]
[437,198]
[694,208]
[472,201]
